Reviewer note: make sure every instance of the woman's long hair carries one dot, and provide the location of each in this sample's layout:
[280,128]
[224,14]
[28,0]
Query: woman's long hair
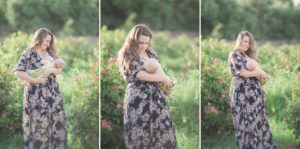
[128,52]
[252,51]
[38,38]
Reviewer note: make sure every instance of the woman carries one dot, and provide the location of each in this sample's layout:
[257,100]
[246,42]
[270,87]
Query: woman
[247,97]
[44,121]
[147,118]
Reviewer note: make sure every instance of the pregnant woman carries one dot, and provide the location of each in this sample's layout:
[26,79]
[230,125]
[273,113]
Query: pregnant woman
[147,118]
[247,98]
[44,121]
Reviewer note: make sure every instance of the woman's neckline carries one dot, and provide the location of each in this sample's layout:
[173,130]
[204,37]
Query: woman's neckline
[146,57]
[47,54]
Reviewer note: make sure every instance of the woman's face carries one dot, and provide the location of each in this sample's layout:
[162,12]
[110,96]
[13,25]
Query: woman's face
[46,42]
[245,43]
[143,43]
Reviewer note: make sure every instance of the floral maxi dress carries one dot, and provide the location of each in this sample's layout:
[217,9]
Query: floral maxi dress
[147,117]
[248,109]
[44,121]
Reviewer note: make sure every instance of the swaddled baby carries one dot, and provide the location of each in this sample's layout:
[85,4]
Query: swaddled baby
[252,65]
[152,66]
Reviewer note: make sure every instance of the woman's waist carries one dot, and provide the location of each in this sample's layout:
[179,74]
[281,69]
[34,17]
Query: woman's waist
[142,84]
[245,80]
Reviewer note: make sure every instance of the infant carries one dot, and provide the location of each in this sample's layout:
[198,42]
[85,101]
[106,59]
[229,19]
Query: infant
[252,65]
[153,66]
[48,62]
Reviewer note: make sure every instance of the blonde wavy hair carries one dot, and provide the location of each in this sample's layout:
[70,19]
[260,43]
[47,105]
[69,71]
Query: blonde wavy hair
[38,39]
[252,51]
[128,53]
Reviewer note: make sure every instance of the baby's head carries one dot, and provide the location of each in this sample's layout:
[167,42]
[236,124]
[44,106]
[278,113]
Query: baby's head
[251,65]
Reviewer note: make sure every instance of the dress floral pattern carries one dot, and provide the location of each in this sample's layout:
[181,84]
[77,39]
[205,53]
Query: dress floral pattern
[44,120]
[248,109]
[147,118]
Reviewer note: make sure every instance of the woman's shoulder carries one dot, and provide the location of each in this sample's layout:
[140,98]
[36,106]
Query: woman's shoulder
[152,54]
[235,53]
[28,52]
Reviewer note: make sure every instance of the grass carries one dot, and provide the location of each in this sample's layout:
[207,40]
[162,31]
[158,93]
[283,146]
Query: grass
[282,135]
[15,142]
[185,108]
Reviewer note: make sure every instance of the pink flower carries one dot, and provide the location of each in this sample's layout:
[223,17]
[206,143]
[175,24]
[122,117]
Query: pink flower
[208,103]
[222,95]
[112,59]
[214,110]
[106,125]
[120,105]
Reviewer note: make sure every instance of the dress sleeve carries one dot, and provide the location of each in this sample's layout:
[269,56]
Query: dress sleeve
[131,72]
[23,63]
[237,62]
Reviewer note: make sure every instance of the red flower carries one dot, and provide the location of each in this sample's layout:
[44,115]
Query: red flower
[112,59]
[214,110]
[106,125]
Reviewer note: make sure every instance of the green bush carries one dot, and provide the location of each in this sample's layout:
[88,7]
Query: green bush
[215,81]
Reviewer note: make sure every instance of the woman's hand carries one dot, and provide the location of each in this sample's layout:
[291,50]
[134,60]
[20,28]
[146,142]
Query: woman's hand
[167,81]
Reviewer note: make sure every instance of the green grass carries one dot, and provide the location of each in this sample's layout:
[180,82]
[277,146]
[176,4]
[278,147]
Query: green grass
[15,142]
[282,135]
[185,108]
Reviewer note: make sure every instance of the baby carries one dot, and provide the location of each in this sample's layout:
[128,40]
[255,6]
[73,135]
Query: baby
[152,66]
[252,65]
[48,62]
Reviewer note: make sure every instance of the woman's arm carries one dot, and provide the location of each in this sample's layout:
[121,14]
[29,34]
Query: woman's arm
[156,77]
[24,76]
[255,73]
[48,71]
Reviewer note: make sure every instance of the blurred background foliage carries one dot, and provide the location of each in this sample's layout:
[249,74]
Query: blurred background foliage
[267,19]
[172,15]
[66,17]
